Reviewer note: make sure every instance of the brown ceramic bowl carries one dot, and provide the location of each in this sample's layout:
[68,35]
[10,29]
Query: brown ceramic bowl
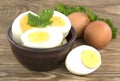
[41,59]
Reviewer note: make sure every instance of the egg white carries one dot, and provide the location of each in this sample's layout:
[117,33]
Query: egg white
[65,30]
[73,61]
[56,38]
[16,29]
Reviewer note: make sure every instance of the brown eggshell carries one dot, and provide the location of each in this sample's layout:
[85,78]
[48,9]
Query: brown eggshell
[79,21]
[97,34]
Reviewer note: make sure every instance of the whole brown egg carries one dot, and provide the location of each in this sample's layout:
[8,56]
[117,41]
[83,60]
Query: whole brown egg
[97,34]
[79,21]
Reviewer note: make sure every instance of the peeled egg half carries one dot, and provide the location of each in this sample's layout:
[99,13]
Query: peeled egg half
[83,60]
[20,25]
[61,22]
[42,38]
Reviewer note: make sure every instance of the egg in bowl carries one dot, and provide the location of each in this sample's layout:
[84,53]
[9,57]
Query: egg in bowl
[42,38]
[20,25]
[61,22]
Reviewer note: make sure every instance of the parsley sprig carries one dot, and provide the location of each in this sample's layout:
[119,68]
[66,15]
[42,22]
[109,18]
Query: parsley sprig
[42,19]
[92,16]
[68,10]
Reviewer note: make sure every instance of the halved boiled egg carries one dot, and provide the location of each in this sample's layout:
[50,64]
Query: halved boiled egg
[61,22]
[42,38]
[83,60]
[20,25]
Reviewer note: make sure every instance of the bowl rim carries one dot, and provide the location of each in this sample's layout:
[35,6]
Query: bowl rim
[10,39]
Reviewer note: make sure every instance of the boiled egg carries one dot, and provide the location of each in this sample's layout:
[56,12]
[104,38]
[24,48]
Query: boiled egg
[61,22]
[83,60]
[42,38]
[79,21]
[20,25]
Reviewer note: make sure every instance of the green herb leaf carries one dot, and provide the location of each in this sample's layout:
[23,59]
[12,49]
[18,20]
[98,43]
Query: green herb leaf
[68,10]
[33,20]
[80,9]
[62,8]
[45,17]
[92,16]
[42,19]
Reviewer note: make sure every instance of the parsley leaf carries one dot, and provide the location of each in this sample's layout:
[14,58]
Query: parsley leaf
[92,16]
[42,19]
[33,20]
[68,10]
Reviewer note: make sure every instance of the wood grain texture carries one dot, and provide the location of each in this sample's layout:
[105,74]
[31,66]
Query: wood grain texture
[12,70]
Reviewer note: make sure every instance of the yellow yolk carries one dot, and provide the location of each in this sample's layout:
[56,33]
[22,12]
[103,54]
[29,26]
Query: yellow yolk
[24,23]
[57,21]
[38,37]
[90,58]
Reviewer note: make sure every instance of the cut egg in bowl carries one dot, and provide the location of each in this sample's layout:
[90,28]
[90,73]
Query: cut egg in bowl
[83,60]
[42,38]
[61,22]
[20,25]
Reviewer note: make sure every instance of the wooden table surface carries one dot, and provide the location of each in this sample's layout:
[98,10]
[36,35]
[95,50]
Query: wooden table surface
[12,70]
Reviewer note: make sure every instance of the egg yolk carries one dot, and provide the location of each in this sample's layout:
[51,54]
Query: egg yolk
[90,58]
[38,37]
[24,24]
[57,21]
